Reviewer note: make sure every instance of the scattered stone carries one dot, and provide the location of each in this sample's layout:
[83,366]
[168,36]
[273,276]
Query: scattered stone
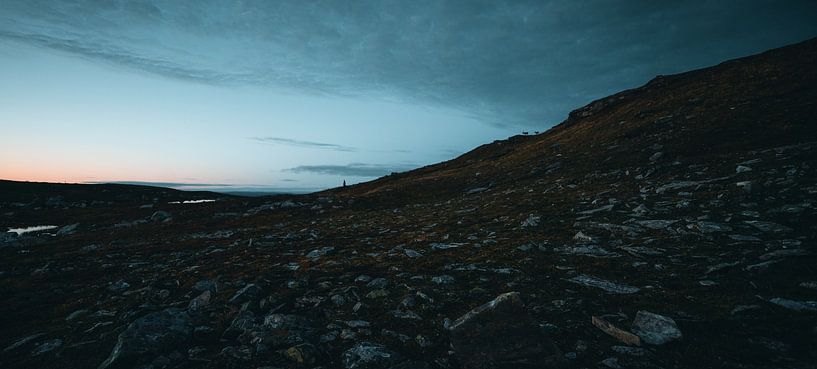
[597,210]
[611,362]
[587,250]
[795,305]
[744,238]
[779,254]
[76,314]
[367,355]
[69,229]
[247,293]
[768,226]
[205,285]
[443,279]
[531,221]
[627,350]
[743,308]
[443,246]
[412,254]
[616,332]
[338,300]
[378,283]
[46,347]
[316,254]
[160,216]
[363,279]
[810,284]
[377,294]
[405,314]
[118,286]
[608,286]
[200,301]
[655,329]
[22,341]
[583,238]
[656,223]
[357,323]
[303,354]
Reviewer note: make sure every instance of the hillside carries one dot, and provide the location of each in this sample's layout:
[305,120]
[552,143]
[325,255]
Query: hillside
[678,217]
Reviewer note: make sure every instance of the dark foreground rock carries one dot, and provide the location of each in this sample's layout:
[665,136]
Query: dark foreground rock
[150,336]
[501,334]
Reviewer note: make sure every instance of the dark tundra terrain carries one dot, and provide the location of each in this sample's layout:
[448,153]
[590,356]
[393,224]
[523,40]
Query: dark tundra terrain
[672,225]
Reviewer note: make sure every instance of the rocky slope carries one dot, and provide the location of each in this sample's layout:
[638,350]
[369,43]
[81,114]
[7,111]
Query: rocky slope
[672,225]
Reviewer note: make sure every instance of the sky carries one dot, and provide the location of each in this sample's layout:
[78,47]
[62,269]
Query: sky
[301,95]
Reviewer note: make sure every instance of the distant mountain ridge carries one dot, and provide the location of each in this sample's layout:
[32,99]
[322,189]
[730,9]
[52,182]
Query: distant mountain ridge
[763,100]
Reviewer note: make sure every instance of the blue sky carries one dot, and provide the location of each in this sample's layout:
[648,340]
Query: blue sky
[302,95]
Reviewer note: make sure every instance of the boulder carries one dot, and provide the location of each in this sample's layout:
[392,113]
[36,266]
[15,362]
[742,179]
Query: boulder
[501,334]
[655,329]
[150,336]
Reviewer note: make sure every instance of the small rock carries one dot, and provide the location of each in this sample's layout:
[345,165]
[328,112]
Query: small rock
[160,216]
[811,284]
[367,355]
[583,238]
[248,293]
[118,286]
[742,169]
[616,332]
[443,279]
[611,362]
[200,301]
[22,341]
[357,323]
[69,229]
[531,221]
[363,279]
[795,305]
[768,226]
[608,286]
[46,347]
[205,285]
[303,354]
[377,294]
[378,283]
[316,254]
[338,300]
[412,254]
[77,314]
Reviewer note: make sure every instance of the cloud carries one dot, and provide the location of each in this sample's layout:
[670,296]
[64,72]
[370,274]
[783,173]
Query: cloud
[514,62]
[353,169]
[299,143]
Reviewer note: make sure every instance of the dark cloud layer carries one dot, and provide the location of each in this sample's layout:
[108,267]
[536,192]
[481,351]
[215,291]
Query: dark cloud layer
[522,63]
[299,143]
[353,169]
